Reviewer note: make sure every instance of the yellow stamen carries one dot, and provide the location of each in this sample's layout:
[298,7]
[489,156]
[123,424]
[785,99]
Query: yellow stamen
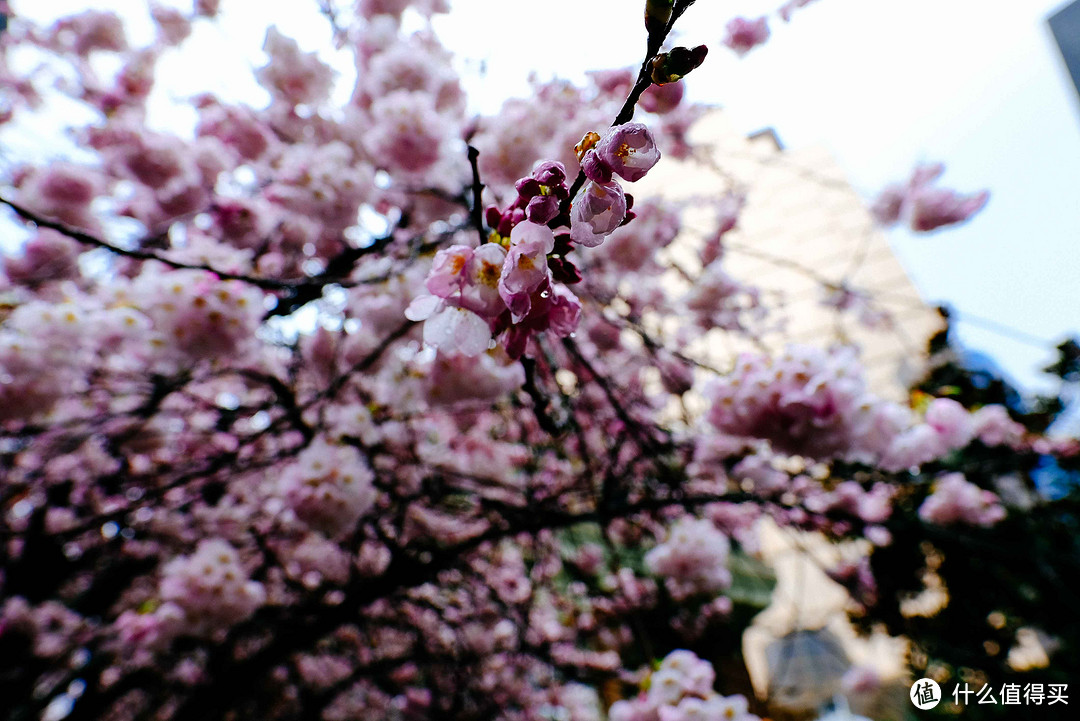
[489,274]
[587,143]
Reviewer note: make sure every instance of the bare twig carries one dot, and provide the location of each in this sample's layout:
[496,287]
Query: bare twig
[541,403]
[337,270]
[477,210]
[644,80]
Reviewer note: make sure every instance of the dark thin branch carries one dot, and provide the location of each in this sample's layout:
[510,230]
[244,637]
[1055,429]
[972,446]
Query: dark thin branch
[337,269]
[636,427]
[541,403]
[286,397]
[328,10]
[87,239]
[477,211]
[644,80]
[363,364]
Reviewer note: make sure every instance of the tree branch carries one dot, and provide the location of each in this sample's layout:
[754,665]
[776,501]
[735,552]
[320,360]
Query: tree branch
[644,80]
[337,269]
[477,210]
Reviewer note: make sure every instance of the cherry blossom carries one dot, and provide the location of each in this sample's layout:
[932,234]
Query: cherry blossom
[957,500]
[210,587]
[923,207]
[292,76]
[329,487]
[629,150]
[743,35]
[597,211]
[364,402]
[693,559]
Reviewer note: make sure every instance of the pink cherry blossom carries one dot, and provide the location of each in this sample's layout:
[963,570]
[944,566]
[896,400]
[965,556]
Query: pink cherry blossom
[448,271]
[449,328]
[805,401]
[526,266]
[994,427]
[595,168]
[743,35]
[329,487]
[661,99]
[932,208]
[564,312]
[88,31]
[211,587]
[238,128]
[455,378]
[63,191]
[292,76]
[790,7]
[629,150]
[956,500]
[481,290]
[692,559]
[195,315]
[407,134]
[597,211]
[926,208]
[951,421]
[207,8]
[48,256]
[889,205]
[681,689]
[173,27]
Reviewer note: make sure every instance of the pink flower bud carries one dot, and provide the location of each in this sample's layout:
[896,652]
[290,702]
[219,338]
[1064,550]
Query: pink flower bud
[629,150]
[597,211]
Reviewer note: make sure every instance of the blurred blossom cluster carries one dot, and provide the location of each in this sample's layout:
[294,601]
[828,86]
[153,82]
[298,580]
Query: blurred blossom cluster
[381,409]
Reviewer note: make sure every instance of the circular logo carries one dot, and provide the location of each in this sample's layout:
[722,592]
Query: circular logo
[925,694]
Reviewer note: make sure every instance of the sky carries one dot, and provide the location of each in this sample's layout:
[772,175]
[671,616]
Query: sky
[883,84]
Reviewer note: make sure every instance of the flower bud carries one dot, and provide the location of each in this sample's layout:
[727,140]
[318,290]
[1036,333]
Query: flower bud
[676,64]
[657,15]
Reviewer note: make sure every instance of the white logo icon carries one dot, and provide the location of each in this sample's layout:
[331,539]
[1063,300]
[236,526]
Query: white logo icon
[925,694]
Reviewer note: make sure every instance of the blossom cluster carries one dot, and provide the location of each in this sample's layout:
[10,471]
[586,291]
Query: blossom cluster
[628,151]
[805,401]
[815,403]
[515,282]
[199,594]
[329,487]
[692,559]
[39,362]
[681,689]
[197,314]
[743,35]
[230,451]
[957,500]
[924,207]
[475,293]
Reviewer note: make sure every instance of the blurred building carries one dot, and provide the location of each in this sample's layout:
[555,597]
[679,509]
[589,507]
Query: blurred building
[803,234]
[1065,25]
[803,231]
